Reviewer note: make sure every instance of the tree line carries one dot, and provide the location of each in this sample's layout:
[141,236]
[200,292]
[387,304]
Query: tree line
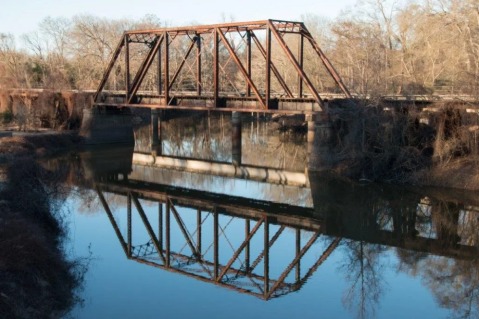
[378,47]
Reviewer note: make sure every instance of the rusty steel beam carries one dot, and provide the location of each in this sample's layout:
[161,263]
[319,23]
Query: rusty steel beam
[301,62]
[167,234]
[253,25]
[127,67]
[248,61]
[288,26]
[293,263]
[215,243]
[266,257]
[206,108]
[293,60]
[113,59]
[298,250]
[160,87]
[178,70]
[321,260]
[273,67]
[160,224]
[140,75]
[326,62]
[268,67]
[150,231]
[198,231]
[198,65]
[167,69]
[240,249]
[241,67]
[216,67]
[112,221]
[271,242]
[183,229]
[128,204]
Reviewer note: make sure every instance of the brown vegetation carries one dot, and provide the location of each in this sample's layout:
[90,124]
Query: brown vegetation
[394,145]
[33,110]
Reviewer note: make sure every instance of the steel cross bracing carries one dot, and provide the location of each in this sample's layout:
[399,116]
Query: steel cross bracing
[211,67]
[193,262]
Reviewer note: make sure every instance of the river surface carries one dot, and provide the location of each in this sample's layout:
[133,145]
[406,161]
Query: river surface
[179,243]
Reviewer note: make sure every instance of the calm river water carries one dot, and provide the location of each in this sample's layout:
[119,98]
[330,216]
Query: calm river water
[166,242]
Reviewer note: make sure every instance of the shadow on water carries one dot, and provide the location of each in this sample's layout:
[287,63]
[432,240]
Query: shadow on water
[372,229]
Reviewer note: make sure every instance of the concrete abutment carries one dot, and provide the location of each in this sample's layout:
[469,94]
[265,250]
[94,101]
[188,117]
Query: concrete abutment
[107,126]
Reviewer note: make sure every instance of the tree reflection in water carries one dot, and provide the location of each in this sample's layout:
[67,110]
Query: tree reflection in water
[37,278]
[434,235]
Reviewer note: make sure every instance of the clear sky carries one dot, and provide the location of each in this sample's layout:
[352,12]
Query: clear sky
[22,16]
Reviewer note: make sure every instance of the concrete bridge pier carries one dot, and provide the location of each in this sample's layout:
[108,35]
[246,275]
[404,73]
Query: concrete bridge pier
[236,138]
[155,131]
[104,125]
[320,132]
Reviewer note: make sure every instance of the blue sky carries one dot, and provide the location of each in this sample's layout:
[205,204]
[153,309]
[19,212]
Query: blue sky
[23,16]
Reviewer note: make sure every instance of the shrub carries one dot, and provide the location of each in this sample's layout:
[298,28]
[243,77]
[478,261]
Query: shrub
[6,117]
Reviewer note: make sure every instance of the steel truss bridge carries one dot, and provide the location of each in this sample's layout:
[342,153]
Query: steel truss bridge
[257,216]
[217,62]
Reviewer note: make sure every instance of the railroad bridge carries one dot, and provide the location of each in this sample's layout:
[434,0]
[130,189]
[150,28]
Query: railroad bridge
[230,67]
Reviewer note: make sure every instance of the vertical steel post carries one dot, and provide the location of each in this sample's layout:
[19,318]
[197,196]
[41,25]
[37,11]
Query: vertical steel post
[301,63]
[216,69]
[167,225]
[215,243]
[268,67]
[198,64]
[129,223]
[160,88]
[248,61]
[167,70]
[127,68]
[266,255]
[160,224]
[198,232]
[298,250]
[247,248]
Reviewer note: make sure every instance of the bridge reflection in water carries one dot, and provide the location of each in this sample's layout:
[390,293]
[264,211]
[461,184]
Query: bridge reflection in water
[338,213]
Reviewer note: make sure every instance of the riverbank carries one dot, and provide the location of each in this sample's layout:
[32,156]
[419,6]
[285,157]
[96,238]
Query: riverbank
[33,145]
[37,280]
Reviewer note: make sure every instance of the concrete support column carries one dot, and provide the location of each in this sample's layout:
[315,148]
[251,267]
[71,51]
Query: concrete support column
[236,138]
[310,134]
[320,132]
[107,126]
[155,131]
